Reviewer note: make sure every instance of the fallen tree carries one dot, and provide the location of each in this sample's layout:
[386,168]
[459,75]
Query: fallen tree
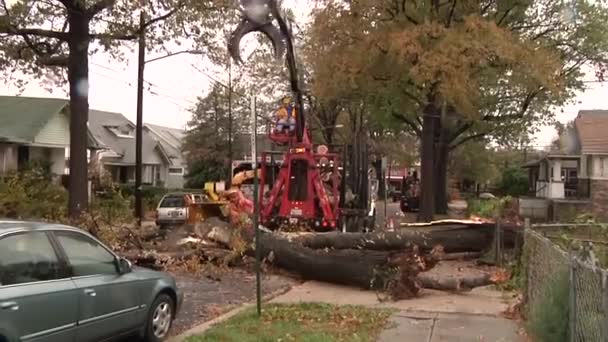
[454,238]
[395,272]
[394,263]
[387,262]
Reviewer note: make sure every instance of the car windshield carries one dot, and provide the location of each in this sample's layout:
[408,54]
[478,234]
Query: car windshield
[172,202]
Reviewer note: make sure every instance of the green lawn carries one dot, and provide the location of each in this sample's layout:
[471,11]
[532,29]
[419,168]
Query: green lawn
[302,323]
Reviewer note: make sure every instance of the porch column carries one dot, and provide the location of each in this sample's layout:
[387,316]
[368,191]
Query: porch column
[597,166]
[582,166]
[557,170]
[542,171]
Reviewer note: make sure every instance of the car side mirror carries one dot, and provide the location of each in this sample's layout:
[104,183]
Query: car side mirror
[124,266]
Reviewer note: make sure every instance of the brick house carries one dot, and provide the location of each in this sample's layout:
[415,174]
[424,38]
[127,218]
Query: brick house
[574,176]
[591,130]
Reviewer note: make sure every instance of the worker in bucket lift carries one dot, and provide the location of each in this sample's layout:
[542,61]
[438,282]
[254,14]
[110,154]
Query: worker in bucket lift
[286,116]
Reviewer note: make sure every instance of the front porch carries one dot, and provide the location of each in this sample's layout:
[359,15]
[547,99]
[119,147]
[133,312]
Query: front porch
[556,176]
[125,174]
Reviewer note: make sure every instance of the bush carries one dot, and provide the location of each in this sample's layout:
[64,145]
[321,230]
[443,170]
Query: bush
[111,206]
[549,318]
[151,194]
[203,171]
[32,194]
[489,208]
[514,182]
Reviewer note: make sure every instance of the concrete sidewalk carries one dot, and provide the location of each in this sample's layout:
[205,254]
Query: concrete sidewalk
[435,316]
[408,326]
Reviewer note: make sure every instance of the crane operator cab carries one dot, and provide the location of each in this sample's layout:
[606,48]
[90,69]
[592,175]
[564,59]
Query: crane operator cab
[285,121]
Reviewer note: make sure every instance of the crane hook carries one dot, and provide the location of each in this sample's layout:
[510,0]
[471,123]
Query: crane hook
[256,17]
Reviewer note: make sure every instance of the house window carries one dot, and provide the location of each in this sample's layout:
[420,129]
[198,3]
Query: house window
[604,166]
[147,174]
[176,171]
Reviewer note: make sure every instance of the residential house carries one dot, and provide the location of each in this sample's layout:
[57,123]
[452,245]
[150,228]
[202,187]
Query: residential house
[161,155]
[171,140]
[35,130]
[575,174]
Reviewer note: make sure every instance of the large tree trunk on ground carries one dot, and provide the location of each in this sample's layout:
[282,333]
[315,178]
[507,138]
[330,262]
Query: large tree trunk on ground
[453,239]
[392,272]
[334,267]
[427,179]
[390,262]
[78,76]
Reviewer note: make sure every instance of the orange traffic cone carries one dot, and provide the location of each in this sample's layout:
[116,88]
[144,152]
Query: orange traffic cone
[391,224]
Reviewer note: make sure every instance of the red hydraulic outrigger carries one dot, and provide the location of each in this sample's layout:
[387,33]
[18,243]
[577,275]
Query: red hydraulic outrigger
[298,194]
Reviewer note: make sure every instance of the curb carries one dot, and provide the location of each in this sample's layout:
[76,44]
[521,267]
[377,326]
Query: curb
[199,329]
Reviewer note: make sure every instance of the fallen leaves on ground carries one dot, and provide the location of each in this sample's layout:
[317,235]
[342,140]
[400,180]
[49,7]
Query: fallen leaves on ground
[514,311]
[500,276]
[308,322]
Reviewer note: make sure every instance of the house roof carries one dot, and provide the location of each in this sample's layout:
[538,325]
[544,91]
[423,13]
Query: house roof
[22,118]
[591,127]
[170,140]
[116,132]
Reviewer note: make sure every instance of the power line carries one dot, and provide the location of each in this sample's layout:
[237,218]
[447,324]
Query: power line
[151,92]
[150,84]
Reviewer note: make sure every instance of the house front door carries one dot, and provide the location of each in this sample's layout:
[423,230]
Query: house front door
[23,156]
[122,174]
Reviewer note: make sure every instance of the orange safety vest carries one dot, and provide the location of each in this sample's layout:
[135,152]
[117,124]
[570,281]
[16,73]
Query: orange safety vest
[286,112]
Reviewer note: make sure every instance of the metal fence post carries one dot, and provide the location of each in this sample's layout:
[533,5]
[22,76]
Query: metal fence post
[572,306]
[527,228]
[498,243]
[605,305]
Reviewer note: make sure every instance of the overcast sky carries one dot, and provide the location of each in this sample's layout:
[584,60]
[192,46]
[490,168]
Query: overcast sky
[173,84]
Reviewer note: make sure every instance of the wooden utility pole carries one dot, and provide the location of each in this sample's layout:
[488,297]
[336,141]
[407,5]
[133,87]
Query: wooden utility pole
[229,121]
[140,115]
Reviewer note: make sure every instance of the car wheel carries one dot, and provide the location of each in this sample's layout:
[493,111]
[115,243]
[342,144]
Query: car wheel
[160,319]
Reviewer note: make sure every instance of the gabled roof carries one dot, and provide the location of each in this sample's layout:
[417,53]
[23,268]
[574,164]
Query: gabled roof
[106,125]
[22,118]
[592,131]
[170,140]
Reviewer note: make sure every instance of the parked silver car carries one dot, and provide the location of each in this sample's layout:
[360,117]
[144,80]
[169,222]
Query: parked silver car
[172,210]
[60,284]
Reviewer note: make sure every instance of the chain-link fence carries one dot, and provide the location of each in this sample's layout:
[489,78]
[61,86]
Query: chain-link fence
[566,298]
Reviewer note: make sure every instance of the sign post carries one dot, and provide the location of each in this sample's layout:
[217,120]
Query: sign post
[256,205]
[385,181]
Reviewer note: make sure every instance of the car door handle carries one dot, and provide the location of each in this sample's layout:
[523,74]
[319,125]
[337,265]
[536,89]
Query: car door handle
[13,306]
[90,292]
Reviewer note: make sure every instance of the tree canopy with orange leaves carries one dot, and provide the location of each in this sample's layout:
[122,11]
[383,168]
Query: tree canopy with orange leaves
[477,69]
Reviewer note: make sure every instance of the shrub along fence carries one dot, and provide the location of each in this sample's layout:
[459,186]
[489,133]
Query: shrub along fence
[566,288]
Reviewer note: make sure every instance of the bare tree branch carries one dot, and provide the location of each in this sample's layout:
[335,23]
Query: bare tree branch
[99,6]
[59,61]
[463,128]
[415,128]
[163,17]
[111,36]
[13,31]
[469,138]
